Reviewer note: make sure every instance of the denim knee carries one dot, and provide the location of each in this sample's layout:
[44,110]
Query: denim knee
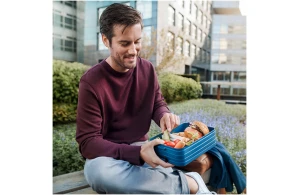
[101,173]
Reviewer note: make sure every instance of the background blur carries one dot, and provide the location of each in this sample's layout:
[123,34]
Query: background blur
[184,37]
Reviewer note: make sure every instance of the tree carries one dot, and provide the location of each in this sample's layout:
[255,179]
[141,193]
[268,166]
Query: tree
[166,48]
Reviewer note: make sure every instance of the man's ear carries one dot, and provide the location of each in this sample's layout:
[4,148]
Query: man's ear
[105,40]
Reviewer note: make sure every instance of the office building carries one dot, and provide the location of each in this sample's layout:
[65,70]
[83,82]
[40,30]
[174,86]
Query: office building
[211,35]
[228,50]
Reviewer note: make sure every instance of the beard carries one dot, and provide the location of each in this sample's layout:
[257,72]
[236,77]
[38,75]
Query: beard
[125,62]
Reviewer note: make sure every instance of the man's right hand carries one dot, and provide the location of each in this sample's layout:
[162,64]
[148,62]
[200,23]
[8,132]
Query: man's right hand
[149,156]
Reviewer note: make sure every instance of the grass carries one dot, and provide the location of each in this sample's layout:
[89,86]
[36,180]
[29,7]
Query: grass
[229,121]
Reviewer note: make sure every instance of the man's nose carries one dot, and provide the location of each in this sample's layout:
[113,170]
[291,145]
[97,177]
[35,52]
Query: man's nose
[132,50]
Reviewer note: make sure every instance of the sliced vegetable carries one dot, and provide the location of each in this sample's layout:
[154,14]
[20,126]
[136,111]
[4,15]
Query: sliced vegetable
[166,136]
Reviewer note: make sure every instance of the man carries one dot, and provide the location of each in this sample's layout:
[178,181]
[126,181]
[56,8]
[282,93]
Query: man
[117,100]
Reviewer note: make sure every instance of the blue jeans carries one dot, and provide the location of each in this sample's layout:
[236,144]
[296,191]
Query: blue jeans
[111,176]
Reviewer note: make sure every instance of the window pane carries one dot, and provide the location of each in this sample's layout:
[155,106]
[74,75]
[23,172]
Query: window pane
[195,11]
[101,45]
[199,34]
[145,7]
[194,31]
[171,16]
[147,32]
[187,48]
[179,45]
[100,11]
[170,41]
[180,22]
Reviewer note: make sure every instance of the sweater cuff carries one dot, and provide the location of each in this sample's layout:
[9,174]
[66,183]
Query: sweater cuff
[132,154]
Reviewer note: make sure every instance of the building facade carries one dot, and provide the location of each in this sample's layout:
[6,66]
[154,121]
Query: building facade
[228,49]
[68,21]
[211,35]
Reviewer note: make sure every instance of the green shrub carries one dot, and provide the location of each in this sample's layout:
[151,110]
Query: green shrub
[66,76]
[64,113]
[177,88]
[195,77]
[66,156]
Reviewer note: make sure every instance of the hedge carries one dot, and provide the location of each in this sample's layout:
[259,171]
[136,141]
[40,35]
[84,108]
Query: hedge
[66,76]
[177,88]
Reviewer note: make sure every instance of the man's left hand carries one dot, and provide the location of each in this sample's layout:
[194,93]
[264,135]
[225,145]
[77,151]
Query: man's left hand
[169,121]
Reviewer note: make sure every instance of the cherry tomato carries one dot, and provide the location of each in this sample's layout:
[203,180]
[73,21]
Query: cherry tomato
[170,143]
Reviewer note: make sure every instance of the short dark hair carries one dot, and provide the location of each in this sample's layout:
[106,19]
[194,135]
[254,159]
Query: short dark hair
[115,14]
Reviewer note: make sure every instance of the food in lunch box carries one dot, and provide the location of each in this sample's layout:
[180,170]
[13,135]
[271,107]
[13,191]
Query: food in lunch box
[192,133]
[196,130]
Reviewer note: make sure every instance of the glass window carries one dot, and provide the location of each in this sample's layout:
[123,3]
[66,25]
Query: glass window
[171,14]
[215,44]
[208,23]
[204,21]
[187,48]
[222,58]
[145,7]
[216,29]
[189,26]
[179,45]
[208,42]
[239,76]
[71,3]
[58,44]
[180,21]
[223,44]
[223,29]
[193,51]
[233,60]
[203,56]
[100,11]
[198,53]
[57,20]
[244,61]
[70,23]
[203,37]
[101,45]
[195,11]
[207,57]
[70,45]
[194,31]
[215,59]
[199,34]
[147,35]
[200,16]
[170,41]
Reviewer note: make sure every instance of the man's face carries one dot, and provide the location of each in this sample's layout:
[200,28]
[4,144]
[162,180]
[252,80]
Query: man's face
[125,47]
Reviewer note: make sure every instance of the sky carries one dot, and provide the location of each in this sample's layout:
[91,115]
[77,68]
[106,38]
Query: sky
[243,6]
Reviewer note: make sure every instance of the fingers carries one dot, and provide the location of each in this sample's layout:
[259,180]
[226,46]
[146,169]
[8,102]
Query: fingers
[163,163]
[177,121]
[169,121]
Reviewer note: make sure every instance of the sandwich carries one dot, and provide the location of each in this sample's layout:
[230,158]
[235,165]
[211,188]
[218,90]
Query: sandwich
[196,130]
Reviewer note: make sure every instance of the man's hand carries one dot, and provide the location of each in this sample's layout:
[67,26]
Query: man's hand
[149,156]
[169,121]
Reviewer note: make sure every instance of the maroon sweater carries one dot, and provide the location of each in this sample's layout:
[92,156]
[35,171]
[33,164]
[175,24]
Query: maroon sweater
[115,109]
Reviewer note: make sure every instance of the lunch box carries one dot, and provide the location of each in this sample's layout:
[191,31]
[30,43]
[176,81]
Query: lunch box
[185,155]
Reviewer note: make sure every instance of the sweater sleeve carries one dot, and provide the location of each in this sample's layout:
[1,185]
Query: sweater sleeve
[89,130]
[160,106]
